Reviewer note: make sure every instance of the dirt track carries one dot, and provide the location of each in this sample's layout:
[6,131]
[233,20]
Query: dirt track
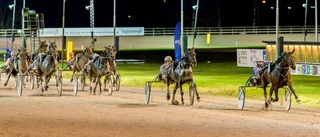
[125,114]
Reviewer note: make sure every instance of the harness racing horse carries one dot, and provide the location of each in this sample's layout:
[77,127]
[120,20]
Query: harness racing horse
[279,76]
[46,66]
[19,64]
[98,67]
[180,72]
[111,54]
[80,61]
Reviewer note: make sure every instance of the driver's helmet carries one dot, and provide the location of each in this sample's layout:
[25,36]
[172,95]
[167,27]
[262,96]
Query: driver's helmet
[259,62]
[167,58]
[13,53]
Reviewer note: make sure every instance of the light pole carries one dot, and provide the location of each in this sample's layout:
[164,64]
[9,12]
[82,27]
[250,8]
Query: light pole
[24,43]
[63,22]
[114,22]
[91,8]
[277,30]
[195,21]
[13,17]
[181,36]
[305,19]
[316,20]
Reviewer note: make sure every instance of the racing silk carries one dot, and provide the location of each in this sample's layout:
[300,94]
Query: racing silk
[256,70]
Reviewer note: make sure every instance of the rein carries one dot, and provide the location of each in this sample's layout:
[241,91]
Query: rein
[283,68]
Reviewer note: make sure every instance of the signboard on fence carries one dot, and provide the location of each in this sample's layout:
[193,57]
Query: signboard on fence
[248,57]
[307,69]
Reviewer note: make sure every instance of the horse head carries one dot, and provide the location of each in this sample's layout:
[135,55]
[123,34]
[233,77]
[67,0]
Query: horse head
[52,48]
[88,51]
[43,47]
[289,60]
[191,57]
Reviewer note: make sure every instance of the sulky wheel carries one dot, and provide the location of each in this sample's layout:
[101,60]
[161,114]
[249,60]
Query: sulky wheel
[75,85]
[147,92]
[192,90]
[32,81]
[287,98]
[110,84]
[118,82]
[19,85]
[83,82]
[59,83]
[241,97]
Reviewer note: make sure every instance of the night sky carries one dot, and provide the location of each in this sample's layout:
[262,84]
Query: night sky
[157,13]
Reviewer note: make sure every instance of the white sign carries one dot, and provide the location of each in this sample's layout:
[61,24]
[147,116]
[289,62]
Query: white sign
[248,57]
[120,31]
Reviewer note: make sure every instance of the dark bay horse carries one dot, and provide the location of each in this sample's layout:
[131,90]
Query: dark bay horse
[279,76]
[81,60]
[98,67]
[180,72]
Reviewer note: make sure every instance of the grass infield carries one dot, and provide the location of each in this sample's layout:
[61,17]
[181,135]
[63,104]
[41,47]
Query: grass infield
[216,79]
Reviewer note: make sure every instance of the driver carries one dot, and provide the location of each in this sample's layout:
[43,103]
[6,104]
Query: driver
[163,68]
[256,71]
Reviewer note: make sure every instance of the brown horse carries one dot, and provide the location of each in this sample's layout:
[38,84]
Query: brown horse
[19,64]
[180,72]
[111,54]
[80,61]
[279,76]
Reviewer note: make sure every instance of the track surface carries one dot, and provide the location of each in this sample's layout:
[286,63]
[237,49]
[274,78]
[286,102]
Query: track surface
[125,114]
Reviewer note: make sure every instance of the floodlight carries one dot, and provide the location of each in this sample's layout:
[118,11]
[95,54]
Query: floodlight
[194,7]
[11,6]
[88,7]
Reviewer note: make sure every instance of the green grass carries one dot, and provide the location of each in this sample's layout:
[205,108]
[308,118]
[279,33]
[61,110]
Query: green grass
[217,79]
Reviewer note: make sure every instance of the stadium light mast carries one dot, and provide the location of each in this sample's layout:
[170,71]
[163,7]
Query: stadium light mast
[305,19]
[13,6]
[277,29]
[181,36]
[316,20]
[114,22]
[63,23]
[91,8]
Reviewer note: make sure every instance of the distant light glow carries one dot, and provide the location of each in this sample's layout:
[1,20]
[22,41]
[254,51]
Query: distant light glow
[264,1]
[129,16]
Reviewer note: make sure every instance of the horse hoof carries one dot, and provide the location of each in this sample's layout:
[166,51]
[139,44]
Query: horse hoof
[71,80]
[5,84]
[198,98]
[168,97]
[274,100]
[175,102]
[298,100]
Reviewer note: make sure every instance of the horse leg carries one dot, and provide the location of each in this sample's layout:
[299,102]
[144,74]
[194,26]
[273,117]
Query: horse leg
[266,105]
[73,71]
[6,83]
[276,95]
[168,91]
[197,93]
[181,93]
[99,81]
[95,87]
[293,91]
[90,84]
[173,101]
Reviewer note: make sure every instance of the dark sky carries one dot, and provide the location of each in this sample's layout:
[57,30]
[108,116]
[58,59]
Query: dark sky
[157,13]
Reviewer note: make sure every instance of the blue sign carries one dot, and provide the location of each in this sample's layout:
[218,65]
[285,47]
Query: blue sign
[177,43]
